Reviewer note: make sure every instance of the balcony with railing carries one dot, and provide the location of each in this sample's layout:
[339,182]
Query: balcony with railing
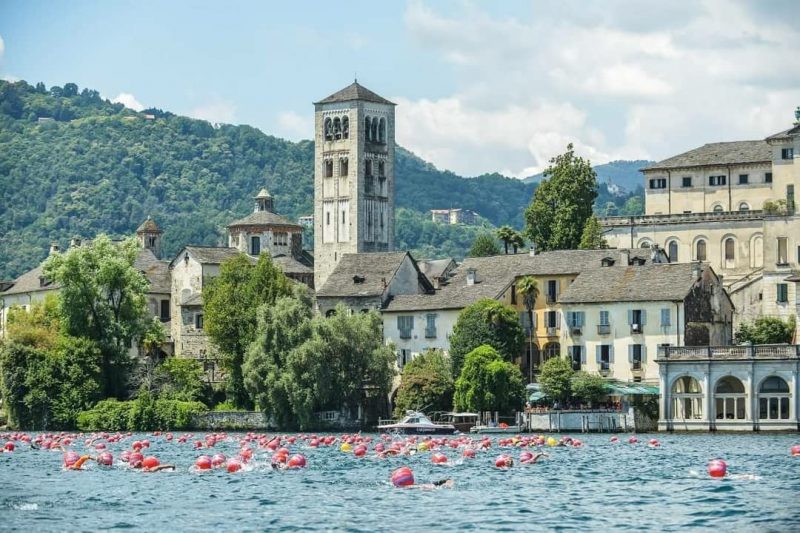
[727,353]
[603,329]
[682,218]
[430,332]
[550,298]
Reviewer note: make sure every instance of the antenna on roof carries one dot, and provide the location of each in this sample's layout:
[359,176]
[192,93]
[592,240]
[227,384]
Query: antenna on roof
[355,77]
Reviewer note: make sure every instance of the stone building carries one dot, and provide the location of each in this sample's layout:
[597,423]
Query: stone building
[454,216]
[731,204]
[729,388]
[353,177]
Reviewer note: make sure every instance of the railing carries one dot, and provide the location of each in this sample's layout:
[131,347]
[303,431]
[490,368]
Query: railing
[576,331]
[756,351]
[405,333]
[681,218]
[552,332]
[430,333]
[550,298]
[603,329]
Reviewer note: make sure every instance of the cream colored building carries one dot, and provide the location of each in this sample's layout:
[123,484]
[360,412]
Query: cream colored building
[707,205]
[616,317]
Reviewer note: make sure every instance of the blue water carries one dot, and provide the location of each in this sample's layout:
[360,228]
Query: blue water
[600,487]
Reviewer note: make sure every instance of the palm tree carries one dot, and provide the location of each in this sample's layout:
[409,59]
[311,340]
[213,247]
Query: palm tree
[528,289]
[506,234]
[517,241]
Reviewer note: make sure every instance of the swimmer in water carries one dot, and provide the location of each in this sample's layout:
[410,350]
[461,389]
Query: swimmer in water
[159,468]
[78,465]
[538,456]
[441,484]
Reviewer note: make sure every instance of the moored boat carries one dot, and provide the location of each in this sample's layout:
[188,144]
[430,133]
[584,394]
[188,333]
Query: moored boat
[416,423]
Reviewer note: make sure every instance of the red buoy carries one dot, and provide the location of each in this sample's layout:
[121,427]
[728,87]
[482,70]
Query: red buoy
[203,462]
[9,447]
[296,461]
[795,450]
[218,459]
[439,458]
[402,477]
[717,468]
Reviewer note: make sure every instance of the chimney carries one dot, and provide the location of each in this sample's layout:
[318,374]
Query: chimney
[75,242]
[532,250]
[697,269]
[54,249]
[437,280]
[472,276]
[625,257]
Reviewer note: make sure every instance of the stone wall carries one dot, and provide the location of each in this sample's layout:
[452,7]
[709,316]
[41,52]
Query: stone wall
[231,420]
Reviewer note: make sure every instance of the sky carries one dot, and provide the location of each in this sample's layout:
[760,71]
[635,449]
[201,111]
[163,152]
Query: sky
[480,86]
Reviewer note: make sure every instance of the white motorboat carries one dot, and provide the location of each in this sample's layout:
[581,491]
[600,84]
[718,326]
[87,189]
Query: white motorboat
[416,423]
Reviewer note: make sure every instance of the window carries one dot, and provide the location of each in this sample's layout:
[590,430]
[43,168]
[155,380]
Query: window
[787,153]
[636,356]
[743,179]
[328,169]
[658,183]
[783,293]
[729,399]
[576,356]
[687,399]
[381,168]
[744,206]
[328,128]
[730,249]
[255,245]
[665,318]
[783,251]
[337,128]
[717,180]
[367,129]
[673,252]
[343,168]
[798,254]
[551,350]
[368,168]
[344,213]
[513,294]
[768,177]
[405,324]
[164,310]
[551,319]
[604,356]
[552,290]
[637,318]
[430,327]
[404,358]
[686,181]
[701,250]
[198,321]
[346,127]
[604,326]
[773,399]
[327,219]
[718,209]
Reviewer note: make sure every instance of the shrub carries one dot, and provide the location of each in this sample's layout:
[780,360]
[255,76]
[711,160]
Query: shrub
[143,414]
[107,415]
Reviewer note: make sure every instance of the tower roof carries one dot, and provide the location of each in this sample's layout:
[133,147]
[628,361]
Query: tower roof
[148,226]
[263,194]
[354,91]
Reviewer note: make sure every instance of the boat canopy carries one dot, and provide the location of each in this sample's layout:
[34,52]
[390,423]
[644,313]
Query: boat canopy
[537,396]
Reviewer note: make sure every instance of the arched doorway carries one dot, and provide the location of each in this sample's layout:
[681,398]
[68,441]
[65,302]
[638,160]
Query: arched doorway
[687,399]
[730,399]
[773,399]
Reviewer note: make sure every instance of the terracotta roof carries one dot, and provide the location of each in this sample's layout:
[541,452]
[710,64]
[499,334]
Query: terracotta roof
[371,268]
[715,154]
[670,282]
[354,91]
[148,226]
[496,273]
[264,218]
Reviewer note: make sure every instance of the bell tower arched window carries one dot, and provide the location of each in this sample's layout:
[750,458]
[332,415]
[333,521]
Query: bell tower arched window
[367,129]
[328,129]
[337,128]
[345,128]
[701,250]
[673,252]
[730,249]
[382,131]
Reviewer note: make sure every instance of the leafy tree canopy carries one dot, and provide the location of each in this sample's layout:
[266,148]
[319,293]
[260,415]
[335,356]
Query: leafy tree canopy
[485,322]
[556,378]
[562,203]
[484,245]
[230,303]
[592,238]
[426,383]
[588,387]
[766,330]
[102,298]
[487,383]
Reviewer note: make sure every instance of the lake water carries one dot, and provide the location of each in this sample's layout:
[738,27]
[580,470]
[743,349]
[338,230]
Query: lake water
[599,487]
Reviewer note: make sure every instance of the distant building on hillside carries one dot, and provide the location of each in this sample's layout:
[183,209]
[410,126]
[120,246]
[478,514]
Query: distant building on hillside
[454,216]
[306,221]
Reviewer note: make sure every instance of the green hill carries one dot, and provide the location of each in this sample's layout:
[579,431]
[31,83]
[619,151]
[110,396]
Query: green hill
[624,174]
[72,164]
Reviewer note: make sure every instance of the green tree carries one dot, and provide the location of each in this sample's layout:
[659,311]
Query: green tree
[633,206]
[588,387]
[426,383]
[766,330]
[517,241]
[506,234]
[485,322]
[592,238]
[282,328]
[181,379]
[102,298]
[484,245]
[230,303]
[562,203]
[487,383]
[556,378]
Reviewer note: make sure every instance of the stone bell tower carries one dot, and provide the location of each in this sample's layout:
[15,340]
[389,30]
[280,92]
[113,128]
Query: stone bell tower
[353,177]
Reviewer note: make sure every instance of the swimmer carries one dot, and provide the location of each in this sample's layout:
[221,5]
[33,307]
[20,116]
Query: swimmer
[537,456]
[78,465]
[440,484]
[159,468]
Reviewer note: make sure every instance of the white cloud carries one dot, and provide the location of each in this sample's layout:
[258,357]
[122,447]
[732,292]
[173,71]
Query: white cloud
[295,126]
[219,111]
[616,83]
[129,101]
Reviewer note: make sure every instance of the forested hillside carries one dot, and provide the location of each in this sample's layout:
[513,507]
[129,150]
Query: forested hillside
[74,164]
